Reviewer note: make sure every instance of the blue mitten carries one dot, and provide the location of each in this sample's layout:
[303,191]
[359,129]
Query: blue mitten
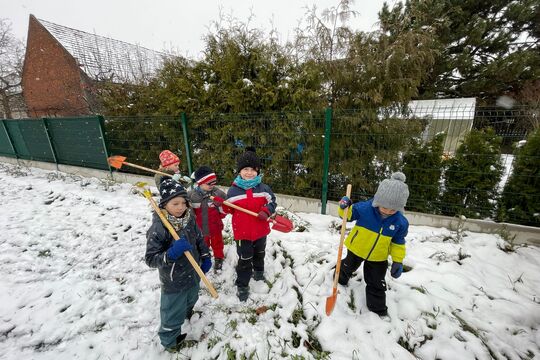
[206,264]
[345,202]
[177,177]
[396,270]
[178,248]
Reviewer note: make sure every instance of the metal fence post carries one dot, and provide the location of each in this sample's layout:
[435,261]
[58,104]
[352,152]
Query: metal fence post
[10,140]
[186,143]
[326,163]
[46,127]
[101,122]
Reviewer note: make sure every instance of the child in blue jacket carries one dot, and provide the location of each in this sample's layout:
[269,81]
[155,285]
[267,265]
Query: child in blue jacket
[379,231]
[179,281]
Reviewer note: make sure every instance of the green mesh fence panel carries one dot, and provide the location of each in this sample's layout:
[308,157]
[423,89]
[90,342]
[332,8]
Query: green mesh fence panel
[290,145]
[30,139]
[78,141]
[142,138]
[366,146]
[6,149]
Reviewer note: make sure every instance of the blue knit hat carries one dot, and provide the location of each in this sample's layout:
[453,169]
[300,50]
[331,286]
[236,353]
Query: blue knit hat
[392,193]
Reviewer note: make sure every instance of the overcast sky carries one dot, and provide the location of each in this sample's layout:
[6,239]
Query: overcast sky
[172,24]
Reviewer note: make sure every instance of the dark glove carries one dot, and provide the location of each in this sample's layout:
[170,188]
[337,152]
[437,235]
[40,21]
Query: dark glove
[263,215]
[206,264]
[218,201]
[396,270]
[178,248]
[345,202]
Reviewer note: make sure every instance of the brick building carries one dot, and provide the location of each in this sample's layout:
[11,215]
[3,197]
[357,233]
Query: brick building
[62,67]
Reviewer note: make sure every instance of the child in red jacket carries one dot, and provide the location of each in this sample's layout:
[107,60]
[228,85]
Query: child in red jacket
[250,232]
[209,214]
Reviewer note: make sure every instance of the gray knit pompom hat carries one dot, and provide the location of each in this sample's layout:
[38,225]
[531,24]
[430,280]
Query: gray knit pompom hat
[392,193]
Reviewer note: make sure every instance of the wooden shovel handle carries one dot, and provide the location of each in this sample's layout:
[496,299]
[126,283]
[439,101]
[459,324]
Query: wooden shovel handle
[342,237]
[147,169]
[173,232]
[239,208]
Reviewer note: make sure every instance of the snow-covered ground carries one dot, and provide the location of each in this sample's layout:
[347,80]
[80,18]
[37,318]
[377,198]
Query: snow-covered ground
[73,285]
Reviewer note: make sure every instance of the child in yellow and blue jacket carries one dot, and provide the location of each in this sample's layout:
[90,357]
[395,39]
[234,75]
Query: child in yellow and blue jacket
[380,230]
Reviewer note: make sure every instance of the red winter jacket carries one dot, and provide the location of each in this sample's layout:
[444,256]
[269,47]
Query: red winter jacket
[245,226]
[208,215]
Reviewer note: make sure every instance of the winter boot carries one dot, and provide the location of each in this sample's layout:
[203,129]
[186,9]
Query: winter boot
[258,275]
[243,293]
[218,264]
[179,340]
[173,349]
[343,279]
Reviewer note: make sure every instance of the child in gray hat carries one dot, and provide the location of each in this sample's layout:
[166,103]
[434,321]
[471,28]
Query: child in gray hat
[379,231]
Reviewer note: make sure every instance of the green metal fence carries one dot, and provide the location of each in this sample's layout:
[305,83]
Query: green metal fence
[312,153]
[72,141]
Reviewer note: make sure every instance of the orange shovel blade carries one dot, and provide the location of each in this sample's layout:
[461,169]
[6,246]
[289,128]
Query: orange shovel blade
[116,161]
[331,302]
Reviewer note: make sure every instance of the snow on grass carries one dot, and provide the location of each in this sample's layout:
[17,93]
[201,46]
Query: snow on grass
[74,286]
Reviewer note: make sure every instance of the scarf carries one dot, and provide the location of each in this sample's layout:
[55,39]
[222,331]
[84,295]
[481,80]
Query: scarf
[181,222]
[248,184]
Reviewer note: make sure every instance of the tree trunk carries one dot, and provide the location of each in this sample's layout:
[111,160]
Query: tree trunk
[6,109]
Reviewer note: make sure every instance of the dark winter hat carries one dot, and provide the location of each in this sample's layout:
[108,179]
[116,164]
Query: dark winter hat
[205,175]
[392,193]
[170,189]
[248,159]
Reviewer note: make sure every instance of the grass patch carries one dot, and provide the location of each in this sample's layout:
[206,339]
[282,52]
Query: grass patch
[297,315]
[44,253]
[420,289]
[351,302]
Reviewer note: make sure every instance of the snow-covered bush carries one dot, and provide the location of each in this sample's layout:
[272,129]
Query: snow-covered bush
[520,201]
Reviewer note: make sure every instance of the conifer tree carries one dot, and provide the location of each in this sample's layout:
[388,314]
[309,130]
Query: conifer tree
[485,48]
[472,176]
[520,201]
[423,165]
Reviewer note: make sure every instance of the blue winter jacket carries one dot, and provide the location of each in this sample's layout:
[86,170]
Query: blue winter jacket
[374,238]
[175,276]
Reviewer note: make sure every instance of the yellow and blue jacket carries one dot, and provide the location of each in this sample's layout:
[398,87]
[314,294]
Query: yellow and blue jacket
[374,238]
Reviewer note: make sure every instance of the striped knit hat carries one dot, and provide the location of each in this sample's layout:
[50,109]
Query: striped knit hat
[205,175]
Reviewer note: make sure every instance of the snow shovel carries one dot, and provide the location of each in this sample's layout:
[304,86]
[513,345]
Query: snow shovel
[279,223]
[117,161]
[148,194]
[331,300]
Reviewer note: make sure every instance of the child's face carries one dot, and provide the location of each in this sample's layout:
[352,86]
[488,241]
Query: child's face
[248,173]
[176,206]
[207,187]
[173,167]
[386,211]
